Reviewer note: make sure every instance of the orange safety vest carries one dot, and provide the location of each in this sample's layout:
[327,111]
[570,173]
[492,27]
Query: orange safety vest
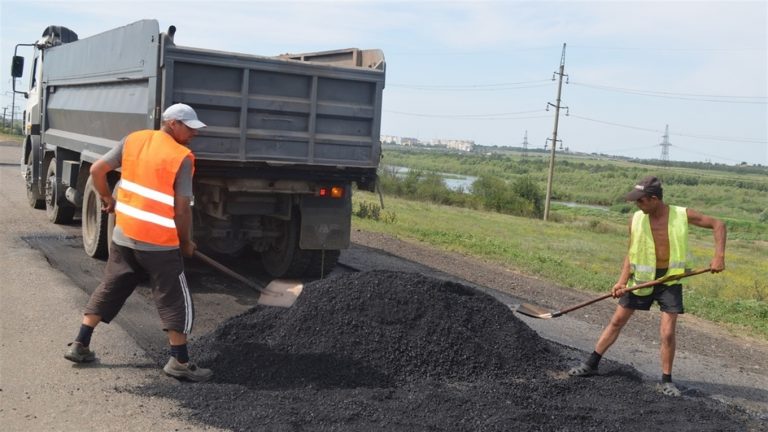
[145,197]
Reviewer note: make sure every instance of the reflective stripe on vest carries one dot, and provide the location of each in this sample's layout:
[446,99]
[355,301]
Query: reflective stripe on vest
[145,196]
[642,250]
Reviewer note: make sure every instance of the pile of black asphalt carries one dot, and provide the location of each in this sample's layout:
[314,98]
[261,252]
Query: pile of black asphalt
[389,351]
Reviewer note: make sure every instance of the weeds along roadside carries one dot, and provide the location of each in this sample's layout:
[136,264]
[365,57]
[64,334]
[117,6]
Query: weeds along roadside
[581,249]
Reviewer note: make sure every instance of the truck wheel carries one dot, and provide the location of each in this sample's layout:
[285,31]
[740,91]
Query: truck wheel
[34,197]
[284,258]
[94,223]
[58,212]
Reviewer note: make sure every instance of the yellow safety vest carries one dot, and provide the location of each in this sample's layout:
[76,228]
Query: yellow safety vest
[642,250]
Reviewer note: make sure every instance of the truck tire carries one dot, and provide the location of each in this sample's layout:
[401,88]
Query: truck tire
[59,212]
[95,221]
[284,258]
[35,199]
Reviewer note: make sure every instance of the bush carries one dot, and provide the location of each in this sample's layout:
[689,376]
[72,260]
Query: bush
[522,198]
[526,188]
[366,210]
[763,216]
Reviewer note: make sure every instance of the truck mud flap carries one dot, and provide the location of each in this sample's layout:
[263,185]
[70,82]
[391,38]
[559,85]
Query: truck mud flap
[325,223]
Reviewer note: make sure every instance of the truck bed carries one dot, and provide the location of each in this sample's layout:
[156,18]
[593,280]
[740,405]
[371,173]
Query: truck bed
[280,111]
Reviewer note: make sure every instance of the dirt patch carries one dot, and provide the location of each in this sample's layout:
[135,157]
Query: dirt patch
[385,350]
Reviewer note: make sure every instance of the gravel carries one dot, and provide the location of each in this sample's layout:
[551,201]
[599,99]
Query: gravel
[392,351]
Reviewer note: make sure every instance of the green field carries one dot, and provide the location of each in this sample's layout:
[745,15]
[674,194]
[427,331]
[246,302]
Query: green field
[583,248]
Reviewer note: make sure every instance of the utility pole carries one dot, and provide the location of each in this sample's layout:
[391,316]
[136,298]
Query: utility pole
[525,144]
[4,110]
[665,145]
[554,134]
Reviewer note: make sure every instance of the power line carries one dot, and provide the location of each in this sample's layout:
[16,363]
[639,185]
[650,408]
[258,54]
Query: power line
[620,151]
[671,49]
[680,96]
[474,87]
[614,124]
[706,154]
[491,116]
[631,149]
[707,137]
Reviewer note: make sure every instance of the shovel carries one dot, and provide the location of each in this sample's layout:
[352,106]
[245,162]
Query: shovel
[536,312]
[279,292]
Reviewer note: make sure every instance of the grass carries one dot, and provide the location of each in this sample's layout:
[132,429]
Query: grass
[582,249]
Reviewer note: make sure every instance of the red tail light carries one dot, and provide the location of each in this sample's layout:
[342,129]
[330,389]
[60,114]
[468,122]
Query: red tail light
[331,192]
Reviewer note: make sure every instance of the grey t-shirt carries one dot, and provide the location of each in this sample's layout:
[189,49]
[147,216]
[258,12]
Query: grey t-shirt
[182,186]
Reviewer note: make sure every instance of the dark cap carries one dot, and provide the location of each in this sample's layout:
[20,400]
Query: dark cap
[648,186]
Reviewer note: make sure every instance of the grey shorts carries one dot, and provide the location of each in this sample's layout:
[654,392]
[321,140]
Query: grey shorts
[669,298]
[127,267]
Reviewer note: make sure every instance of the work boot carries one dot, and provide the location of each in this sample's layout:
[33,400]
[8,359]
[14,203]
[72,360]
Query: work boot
[79,354]
[188,371]
[669,389]
[582,370]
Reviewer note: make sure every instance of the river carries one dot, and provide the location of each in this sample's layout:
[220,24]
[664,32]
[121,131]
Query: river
[463,183]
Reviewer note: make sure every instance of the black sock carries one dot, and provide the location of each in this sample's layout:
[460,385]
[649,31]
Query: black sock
[665,378]
[180,352]
[594,359]
[84,336]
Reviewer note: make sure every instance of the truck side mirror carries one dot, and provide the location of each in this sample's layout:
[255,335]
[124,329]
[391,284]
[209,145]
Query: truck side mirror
[17,66]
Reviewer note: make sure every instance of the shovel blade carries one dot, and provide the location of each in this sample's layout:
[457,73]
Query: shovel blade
[533,311]
[281,293]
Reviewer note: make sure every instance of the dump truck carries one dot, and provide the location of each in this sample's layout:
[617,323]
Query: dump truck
[288,137]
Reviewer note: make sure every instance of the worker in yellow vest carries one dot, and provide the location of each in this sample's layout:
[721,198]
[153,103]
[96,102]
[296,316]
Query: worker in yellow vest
[658,247]
[153,221]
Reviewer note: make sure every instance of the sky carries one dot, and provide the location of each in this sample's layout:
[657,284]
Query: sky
[483,70]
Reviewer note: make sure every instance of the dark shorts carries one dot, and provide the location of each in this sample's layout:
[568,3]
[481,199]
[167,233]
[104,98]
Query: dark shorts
[127,267]
[669,297]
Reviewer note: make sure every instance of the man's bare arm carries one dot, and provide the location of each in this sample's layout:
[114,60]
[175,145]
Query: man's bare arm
[626,272]
[718,229]
[183,219]
[99,171]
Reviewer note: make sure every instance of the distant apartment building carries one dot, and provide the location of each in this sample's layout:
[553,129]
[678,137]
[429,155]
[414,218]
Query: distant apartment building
[391,139]
[461,145]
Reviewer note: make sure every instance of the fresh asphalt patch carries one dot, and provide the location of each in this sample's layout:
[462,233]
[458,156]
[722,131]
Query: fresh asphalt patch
[399,351]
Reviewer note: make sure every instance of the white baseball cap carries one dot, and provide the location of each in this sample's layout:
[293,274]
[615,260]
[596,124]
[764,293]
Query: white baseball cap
[183,113]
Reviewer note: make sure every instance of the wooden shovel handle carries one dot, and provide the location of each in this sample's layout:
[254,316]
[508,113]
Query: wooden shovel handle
[659,281]
[226,270]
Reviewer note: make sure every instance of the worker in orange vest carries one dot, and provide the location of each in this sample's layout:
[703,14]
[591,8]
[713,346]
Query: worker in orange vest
[153,221]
